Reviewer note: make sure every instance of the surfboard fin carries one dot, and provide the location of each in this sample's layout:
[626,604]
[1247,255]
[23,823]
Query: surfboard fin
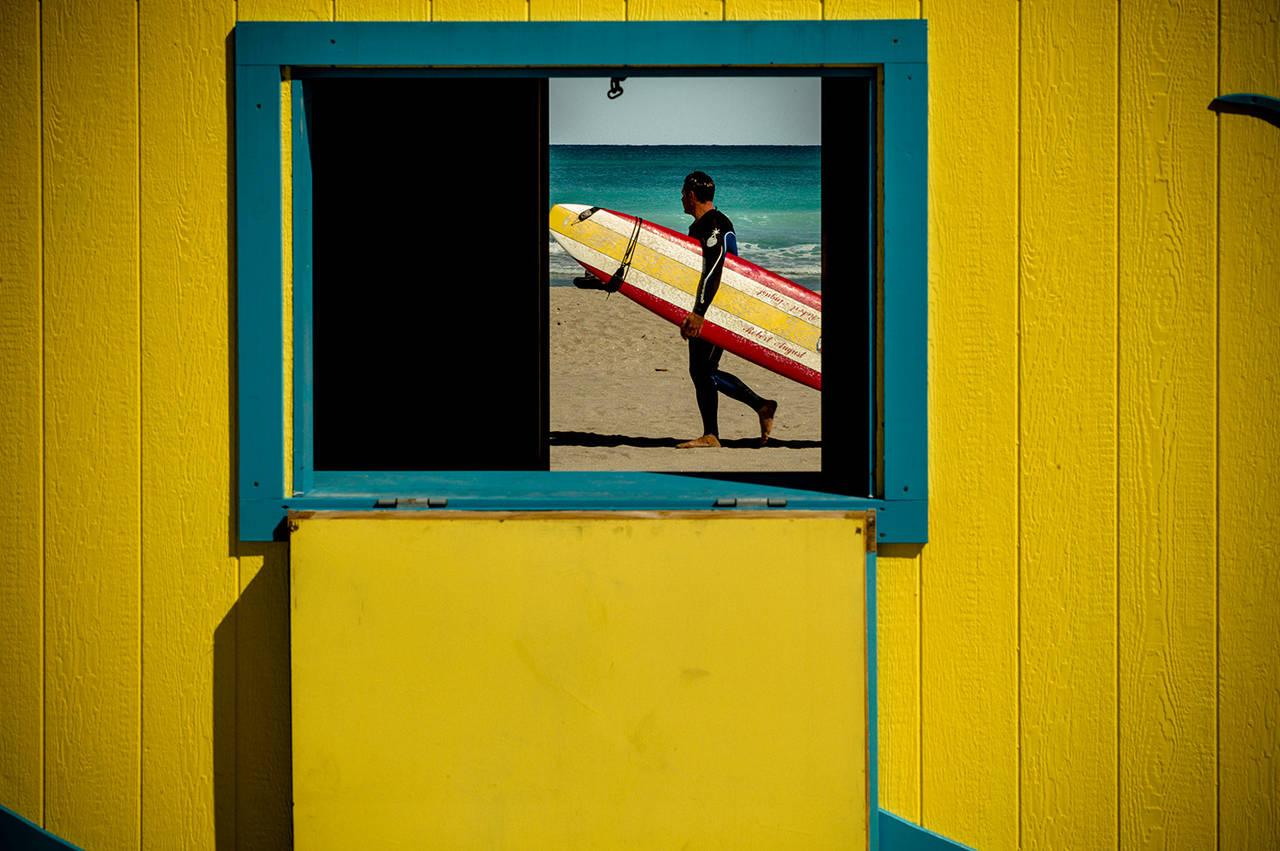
[591,282]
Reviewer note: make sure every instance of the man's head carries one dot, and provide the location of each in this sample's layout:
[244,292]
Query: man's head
[698,188]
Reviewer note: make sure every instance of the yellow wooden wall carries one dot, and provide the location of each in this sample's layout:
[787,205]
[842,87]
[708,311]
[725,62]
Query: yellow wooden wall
[1085,655]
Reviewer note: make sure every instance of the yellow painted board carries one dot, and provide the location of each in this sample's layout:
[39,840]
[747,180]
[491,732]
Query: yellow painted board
[257,636]
[91,356]
[579,681]
[577,10]
[284,10]
[898,678]
[1067,425]
[286,282]
[854,10]
[772,10]
[1248,413]
[969,570]
[382,10]
[1167,581]
[188,562]
[480,10]
[21,420]
[675,10]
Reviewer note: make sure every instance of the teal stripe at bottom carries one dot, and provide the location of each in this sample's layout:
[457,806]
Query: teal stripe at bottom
[18,834]
[898,834]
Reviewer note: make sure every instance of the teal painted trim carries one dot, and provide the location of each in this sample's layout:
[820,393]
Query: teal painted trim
[303,336]
[1258,106]
[259,274]
[20,834]
[896,522]
[554,44]
[873,707]
[898,834]
[538,49]
[906,317]
[594,72]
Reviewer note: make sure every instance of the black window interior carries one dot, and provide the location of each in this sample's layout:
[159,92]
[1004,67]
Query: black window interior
[429,273]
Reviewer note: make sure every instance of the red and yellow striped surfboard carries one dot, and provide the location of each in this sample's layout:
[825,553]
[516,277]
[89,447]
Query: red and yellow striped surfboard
[758,315]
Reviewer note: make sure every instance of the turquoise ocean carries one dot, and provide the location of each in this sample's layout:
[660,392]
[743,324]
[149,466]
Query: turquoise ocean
[772,194]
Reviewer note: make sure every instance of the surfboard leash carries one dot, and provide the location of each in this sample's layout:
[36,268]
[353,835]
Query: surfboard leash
[620,276]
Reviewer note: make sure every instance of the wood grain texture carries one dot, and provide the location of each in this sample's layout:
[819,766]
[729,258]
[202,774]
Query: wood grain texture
[21,425]
[1067,425]
[853,10]
[382,10]
[675,10]
[256,633]
[284,10]
[92,592]
[772,10]
[480,10]
[286,275]
[898,678]
[263,760]
[188,568]
[1248,413]
[969,570]
[577,10]
[1167,582]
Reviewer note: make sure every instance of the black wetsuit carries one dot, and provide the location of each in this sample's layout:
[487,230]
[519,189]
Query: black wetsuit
[715,233]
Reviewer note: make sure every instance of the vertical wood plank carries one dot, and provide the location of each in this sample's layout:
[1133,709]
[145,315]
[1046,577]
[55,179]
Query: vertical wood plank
[675,10]
[1067,425]
[264,747]
[188,565]
[284,10]
[897,586]
[286,275]
[854,10]
[1248,411]
[1167,582]
[898,678]
[577,10]
[382,10]
[480,10]
[92,591]
[21,425]
[772,10]
[969,571]
[259,627]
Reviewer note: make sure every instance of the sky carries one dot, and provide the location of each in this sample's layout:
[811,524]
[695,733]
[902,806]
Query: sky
[687,111]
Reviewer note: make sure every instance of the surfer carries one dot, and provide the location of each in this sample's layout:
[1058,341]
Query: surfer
[714,233]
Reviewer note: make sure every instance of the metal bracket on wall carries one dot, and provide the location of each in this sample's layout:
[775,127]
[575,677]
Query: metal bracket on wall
[751,502]
[413,502]
[1259,106]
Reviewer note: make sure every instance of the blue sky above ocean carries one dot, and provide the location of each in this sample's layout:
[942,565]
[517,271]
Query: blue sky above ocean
[623,155]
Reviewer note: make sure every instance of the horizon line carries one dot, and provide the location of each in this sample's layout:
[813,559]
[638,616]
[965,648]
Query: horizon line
[687,144]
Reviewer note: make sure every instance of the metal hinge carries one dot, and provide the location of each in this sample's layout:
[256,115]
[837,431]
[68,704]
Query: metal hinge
[413,502]
[751,502]
[871,531]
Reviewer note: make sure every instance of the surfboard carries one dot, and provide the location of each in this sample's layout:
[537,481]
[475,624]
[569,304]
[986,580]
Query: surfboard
[756,314]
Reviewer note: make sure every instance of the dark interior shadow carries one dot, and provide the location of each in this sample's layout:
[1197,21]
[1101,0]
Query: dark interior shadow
[590,438]
[252,722]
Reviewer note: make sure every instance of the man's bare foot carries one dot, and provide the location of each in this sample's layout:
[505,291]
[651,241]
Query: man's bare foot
[707,440]
[766,412]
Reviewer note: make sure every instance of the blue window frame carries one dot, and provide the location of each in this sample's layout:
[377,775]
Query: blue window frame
[267,53]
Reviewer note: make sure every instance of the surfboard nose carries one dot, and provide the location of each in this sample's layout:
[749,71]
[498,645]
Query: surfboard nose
[562,217]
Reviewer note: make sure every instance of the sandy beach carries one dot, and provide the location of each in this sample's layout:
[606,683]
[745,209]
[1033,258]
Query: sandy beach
[621,398]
